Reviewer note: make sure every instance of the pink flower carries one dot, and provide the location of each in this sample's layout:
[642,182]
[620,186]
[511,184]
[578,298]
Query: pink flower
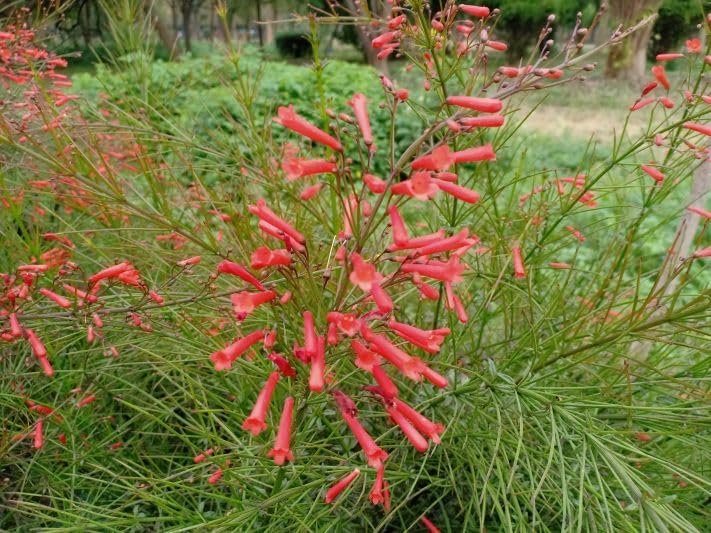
[410,367]
[383,39]
[61,301]
[215,476]
[483,105]
[373,452]
[230,267]
[653,172]
[255,422]
[428,340]
[377,493]
[661,75]
[299,168]
[267,215]
[347,323]
[450,271]
[420,186]
[223,359]
[374,184]
[398,225]
[704,252]
[693,46]
[474,11]
[382,299]
[110,272]
[282,364]
[281,452]
[700,211]
[425,426]
[364,275]
[439,159]
[339,486]
[485,121]
[519,270]
[388,388]
[244,302]
[264,257]
[199,458]
[669,57]
[642,102]
[475,154]
[310,192]
[318,366]
[360,109]
[699,128]
[431,528]
[414,436]
[459,192]
[310,339]
[288,118]
[365,359]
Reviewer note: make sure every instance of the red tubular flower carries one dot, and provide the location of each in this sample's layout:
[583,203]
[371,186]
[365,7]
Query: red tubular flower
[437,379]
[414,436]
[388,388]
[411,367]
[61,301]
[39,435]
[450,271]
[418,242]
[474,11]
[256,421]
[288,118]
[699,211]
[347,323]
[639,104]
[510,72]
[559,266]
[365,359]
[310,192]
[486,121]
[318,366]
[499,46]
[666,102]
[110,272]
[420,186]
[653,172]
[519,270]
[661,76]
[86,400]
[374,184]
[439,159]
[483,105]
[230,267]
[190,261]
[264,257]
[382,298]
[199,458]
[215,476]
[398,225]
[377,494]
[459,192]
[298,168]
[374,454]
[36,344]
[364,275]
[693,46]
[429,525]
[15,327]
[473,155]
[46,366]
[423,424]
[360,109]
[310,339]
[383,39]
[704,252]
[668,57]
[339,486]
[699,128]
[575,233]
[243,303]
[281,452]
[282,364]
[267,215]
[223,359]
[428,340]
[332,334]
[291,244]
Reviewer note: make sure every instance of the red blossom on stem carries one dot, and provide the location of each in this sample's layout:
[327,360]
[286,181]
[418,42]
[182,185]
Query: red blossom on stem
[339,486]
[281,452]
[256,421]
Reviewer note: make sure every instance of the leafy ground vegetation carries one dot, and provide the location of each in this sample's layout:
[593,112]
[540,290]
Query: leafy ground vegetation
[247,295]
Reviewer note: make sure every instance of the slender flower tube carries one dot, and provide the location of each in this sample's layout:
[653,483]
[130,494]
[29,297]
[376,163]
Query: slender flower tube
[437,379]
[386,384]
[661,75]
[199,458]
[420,186]
[264,257]
[382,298]
[244,302]
[699,128]
[519,270]
[339,486]
[281,452]
[360,109]
[215,476]
[282,364]
[414,436]
[431,528]
[61,301]
[485,121]
[397,224]
[288,118]
[450,271]
[422,423]
[310,192]
[483,105]
[653,172]
[418,242]
[428,340]
[223,359]
[668,57]
[374,184]
[256,421]
[459,192]
[39,435]
[310,342]
[346,323]
[232,268]
[441,158]
[383,39]
[36,344]
[411,367]
[475,154]
[364,275]
[262,211]
[474,11]
[110,272]
[374,454]
[699,211]
[299,168]
[275,232]
[318,366]
[15,327]
[642,102]
[377,495]
[704,252]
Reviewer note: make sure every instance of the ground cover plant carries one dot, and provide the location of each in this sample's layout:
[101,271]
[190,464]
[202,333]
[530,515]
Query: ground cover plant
[358,305]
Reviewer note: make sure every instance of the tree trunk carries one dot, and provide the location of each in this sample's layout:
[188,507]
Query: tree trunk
[369,53]
[187,13]
[165,33]
[628,60]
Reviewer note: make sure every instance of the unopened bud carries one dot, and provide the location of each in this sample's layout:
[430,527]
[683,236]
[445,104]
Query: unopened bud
[589,67]
[551,18]
[331,113]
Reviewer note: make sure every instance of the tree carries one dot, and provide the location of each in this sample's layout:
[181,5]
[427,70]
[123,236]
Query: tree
[628,59]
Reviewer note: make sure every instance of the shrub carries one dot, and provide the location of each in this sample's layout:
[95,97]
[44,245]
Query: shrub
[293,44]
[305,341]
